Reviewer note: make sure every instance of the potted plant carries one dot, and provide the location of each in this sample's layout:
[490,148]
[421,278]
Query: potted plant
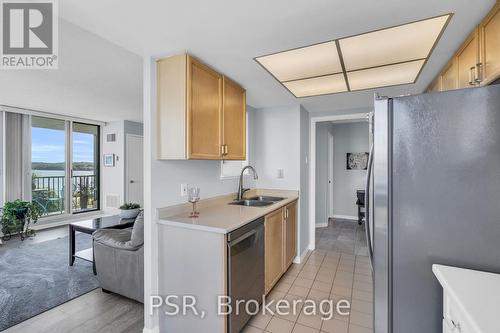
[129,210]
[17,216]
[85,192]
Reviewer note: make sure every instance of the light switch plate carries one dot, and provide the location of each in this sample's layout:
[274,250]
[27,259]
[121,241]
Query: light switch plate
[184,190]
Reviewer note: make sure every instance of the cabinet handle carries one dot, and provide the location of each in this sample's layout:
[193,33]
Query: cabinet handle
[478,73]
[471,76]
[225,149]
[222,150]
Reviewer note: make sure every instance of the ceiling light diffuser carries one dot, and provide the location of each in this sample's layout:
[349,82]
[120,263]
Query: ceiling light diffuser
[388,46]
[375,59]
[385,76]
[305,62]
[323,85]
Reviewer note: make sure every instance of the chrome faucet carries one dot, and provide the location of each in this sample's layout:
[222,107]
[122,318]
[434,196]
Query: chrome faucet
[242,190]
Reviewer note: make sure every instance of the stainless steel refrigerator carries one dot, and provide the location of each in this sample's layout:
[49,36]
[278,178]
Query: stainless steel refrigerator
[436,199]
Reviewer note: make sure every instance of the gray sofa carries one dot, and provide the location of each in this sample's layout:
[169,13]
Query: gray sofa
[119,259]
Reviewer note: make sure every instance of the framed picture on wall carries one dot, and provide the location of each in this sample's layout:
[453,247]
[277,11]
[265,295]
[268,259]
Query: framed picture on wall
[357,161]
[109,160]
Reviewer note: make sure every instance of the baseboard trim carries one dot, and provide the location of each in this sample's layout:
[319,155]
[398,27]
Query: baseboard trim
[300,259]
[345,217]
[155,329]
[322,225]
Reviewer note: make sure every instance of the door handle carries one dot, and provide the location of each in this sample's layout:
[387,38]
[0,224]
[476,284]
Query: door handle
[243,237]
[131,182]
[369,244]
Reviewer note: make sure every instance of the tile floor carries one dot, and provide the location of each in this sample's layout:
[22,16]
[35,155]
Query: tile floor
[333,272]
[344,236]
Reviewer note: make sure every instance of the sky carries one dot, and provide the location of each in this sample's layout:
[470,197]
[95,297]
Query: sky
[48,146]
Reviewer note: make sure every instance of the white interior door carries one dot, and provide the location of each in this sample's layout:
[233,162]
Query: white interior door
[330,176]
[134,182]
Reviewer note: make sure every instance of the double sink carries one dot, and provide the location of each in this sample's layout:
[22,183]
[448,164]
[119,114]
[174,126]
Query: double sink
[258,201]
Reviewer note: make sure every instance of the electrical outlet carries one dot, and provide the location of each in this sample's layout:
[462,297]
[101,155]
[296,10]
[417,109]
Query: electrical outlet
[281,173]
[184,190]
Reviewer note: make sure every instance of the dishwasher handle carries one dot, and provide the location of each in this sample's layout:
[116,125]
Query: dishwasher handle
[242,238]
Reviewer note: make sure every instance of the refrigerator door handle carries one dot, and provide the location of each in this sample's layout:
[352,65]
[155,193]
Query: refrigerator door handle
[367,206]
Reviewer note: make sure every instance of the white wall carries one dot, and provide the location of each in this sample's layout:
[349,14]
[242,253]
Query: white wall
[113,178]
[304,181]
[348,138]
[322,130]
[277,146]
[281,141]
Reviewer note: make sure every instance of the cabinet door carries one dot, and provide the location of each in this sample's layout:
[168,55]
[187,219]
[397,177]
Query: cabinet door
[273,248]
[467,59]
[290,233]
[204,111]
[234,121]
[490,46]
[449,77]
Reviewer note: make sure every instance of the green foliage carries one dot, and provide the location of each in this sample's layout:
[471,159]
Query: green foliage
[18,214]
[130,205]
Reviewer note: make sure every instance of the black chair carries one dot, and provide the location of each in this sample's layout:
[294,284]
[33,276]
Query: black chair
[361,205]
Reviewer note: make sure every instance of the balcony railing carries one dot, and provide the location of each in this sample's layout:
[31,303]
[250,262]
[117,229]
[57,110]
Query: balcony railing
[49,193]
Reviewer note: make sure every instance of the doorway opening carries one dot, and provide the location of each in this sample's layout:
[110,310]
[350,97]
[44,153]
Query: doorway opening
[338,154]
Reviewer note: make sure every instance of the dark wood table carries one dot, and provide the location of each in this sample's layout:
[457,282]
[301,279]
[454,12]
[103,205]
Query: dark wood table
[88,227]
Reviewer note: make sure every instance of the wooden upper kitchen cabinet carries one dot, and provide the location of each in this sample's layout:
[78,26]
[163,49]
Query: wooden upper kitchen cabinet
[449,78]
[274,246]
[290,233]
[233,121]
[468,60]
[490,46]
[200,113]
[477,62]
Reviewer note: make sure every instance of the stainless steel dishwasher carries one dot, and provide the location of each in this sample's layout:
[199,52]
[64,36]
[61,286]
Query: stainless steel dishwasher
[245,278]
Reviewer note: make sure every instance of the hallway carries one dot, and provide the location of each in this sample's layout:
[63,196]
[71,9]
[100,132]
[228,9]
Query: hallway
[344,236]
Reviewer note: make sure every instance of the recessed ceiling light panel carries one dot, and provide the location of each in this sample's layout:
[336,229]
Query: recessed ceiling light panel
[385,76]
[323,85]
[381,58]
[388,46]
[306,62]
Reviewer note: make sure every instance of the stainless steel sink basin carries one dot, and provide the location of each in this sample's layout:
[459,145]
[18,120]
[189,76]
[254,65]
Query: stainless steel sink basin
[252,203]
[266,198]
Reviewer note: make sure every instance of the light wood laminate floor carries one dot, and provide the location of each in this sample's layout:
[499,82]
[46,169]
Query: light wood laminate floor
[92,312]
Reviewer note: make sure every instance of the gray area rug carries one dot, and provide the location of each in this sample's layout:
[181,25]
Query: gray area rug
[36,277]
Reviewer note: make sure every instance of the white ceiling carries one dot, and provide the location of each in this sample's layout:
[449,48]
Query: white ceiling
[228,34]
[95,80]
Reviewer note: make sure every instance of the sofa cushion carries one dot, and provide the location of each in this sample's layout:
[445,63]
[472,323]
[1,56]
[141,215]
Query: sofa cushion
[137,237]
[115,238]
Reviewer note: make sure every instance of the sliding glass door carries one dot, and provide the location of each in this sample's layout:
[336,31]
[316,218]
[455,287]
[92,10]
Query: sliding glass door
[65,166]
[85,168]
[48,164]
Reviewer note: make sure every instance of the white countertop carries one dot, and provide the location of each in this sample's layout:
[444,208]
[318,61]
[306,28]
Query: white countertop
[476,293]
[224,218]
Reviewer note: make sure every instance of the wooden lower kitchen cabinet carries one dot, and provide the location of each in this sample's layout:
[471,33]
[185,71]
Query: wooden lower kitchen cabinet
[280,243]
[274,241]
[290,233]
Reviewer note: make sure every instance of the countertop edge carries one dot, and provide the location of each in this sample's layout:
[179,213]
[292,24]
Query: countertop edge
[200,227]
